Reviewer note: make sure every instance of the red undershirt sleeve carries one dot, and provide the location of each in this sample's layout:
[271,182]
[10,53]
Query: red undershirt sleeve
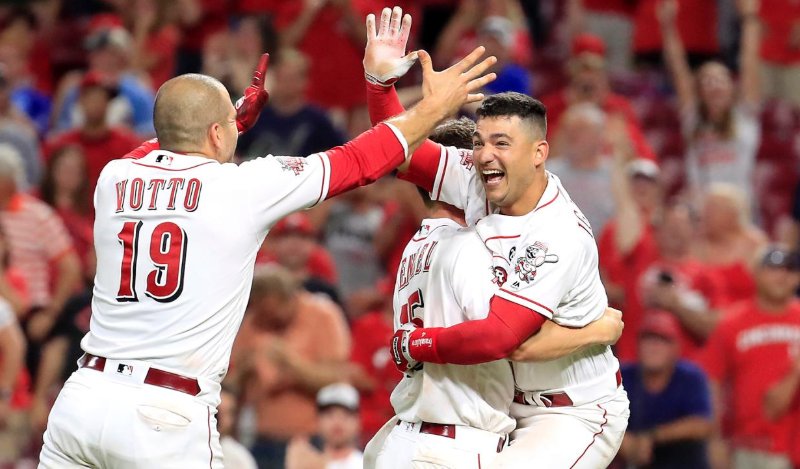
[506,327]
[384,103]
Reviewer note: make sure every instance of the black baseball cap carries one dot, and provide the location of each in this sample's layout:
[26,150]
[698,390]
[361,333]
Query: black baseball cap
[777,256]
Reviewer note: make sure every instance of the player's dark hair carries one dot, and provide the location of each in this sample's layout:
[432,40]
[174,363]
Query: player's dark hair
[454,133]
[515,104]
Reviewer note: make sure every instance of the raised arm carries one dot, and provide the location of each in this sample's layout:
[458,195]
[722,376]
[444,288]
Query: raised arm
[675,55]
[749,54]
[554,341]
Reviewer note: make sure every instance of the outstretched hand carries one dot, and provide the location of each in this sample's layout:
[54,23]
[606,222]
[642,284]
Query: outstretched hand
[458,85]
[385,58]
[255,97]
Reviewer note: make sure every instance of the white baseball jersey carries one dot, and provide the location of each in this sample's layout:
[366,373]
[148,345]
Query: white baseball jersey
[445,278]
[176,239]
[549,257]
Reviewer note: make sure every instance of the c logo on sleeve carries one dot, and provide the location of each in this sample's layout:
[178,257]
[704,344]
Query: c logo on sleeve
[535,256]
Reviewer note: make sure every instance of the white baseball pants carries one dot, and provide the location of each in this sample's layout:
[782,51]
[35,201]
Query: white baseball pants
[405,447]
[119,422]
[586,436]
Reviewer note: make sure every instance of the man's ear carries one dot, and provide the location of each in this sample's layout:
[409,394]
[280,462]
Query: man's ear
[541,152]
[215,133]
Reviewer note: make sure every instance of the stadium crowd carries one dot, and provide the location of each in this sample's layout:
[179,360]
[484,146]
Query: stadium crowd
[673,124]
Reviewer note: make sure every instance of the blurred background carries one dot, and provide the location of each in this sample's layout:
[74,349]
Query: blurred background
[673,125]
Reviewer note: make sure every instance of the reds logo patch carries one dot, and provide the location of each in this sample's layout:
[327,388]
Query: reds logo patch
[466,159]
[500,276]
[535,256]
[292,163]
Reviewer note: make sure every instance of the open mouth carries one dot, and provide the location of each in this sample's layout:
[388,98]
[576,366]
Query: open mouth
[492,177]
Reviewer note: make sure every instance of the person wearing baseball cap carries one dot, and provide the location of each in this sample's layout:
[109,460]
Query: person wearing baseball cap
[670,419]
[339,428]
[753,360]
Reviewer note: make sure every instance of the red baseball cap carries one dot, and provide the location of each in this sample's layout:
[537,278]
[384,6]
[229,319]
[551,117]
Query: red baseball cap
[586,43]
[662,324]
[296,223]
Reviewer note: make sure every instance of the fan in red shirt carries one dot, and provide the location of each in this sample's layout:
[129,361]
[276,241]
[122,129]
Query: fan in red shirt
[652,265]
[371,333]
[697,26]
[99,142]
[589,82]
[753,355]
[291,243]
[332,35]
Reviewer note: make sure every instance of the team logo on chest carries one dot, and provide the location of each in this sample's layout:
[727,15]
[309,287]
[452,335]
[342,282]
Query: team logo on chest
[292,163]
[534,257]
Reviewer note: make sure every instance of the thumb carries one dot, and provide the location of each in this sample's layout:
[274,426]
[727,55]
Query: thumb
[411,56]
[425,61]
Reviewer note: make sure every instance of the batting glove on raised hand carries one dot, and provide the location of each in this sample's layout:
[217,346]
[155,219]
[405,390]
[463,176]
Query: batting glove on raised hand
[401,351]
[255,97]
[385,58]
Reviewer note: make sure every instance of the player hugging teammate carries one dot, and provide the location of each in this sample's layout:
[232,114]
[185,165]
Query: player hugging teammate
[513,275]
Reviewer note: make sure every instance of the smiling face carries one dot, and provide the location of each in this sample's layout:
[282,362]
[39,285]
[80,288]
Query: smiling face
[508,153]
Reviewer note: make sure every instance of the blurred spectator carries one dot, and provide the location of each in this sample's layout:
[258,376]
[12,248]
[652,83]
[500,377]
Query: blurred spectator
[65,188]
[589,83]
[612,21]
[478,22]
[728,240]
[290,345]
[750,358]
[232,54]
[100,142]
[337,405]
[13,285]
[353,222]
[496,33]
[584,166]
[155,39]
[670,421]
[331,33]
[292,243]
[198,20]
[234,453]
[372,334]
[289,125]
[110,50]
[14,429]
[404,211]
[663,274]
[780,49]
[697,26]
[18,131]
[37,240]
[720,122]
[21,33]
[24,95]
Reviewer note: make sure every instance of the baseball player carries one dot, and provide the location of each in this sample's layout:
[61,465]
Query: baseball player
[446,277]
[176,236]
[571,412]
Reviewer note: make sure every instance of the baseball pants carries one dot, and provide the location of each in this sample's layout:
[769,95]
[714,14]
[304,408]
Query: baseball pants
[587,436]
[405,447]
[116,421]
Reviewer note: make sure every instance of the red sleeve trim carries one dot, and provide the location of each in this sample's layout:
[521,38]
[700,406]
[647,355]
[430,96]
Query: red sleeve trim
[424,166]
[527,299]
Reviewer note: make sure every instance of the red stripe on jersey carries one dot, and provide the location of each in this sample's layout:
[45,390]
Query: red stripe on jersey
[444,172]
[528,300]
[172,169]
[322,185]
[594,437]
[558,192]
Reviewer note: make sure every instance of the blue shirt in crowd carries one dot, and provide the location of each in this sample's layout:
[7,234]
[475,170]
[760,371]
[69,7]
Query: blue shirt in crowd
[686,395]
